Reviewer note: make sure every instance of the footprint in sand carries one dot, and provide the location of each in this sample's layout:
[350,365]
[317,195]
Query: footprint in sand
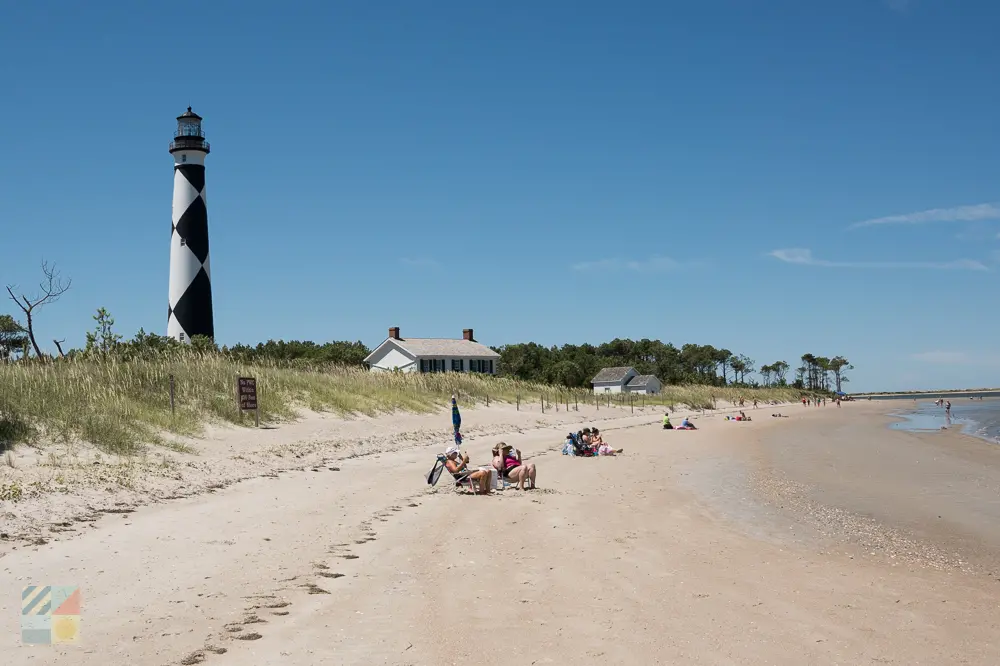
[280,604]
[249,637]
[315,589]
[327,574]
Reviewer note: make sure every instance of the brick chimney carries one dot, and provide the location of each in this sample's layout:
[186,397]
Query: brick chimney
[394,332]
[467,335]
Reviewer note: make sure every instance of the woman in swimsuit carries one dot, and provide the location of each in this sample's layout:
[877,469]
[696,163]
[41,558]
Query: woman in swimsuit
[513,469]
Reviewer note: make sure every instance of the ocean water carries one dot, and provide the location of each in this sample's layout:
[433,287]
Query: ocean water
[976,417]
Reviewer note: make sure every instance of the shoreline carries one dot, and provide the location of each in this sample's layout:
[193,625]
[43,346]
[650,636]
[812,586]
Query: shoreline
[922,498]
[960,425]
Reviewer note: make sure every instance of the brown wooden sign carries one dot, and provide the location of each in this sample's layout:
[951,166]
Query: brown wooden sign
[246,396]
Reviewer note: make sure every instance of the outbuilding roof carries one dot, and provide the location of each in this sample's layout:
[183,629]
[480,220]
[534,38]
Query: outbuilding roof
[612,375]
[640,381]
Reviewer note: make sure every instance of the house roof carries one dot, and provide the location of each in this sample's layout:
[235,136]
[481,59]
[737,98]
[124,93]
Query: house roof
[611,375]
[440,347]
[641,380]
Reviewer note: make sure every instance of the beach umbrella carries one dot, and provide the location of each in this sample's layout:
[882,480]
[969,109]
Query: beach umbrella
[456,420]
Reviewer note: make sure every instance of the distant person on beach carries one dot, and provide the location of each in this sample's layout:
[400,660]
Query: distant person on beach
[687,425]
[667,425]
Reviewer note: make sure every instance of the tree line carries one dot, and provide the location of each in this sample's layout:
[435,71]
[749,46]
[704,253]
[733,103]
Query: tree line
[569,365]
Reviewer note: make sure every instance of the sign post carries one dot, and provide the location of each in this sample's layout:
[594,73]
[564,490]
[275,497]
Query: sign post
[246,397]
[171,395]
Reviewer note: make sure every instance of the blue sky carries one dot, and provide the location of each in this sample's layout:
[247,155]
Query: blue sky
[776,177]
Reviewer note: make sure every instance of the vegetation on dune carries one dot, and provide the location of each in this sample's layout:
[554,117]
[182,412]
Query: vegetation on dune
[115,392]
[118,404]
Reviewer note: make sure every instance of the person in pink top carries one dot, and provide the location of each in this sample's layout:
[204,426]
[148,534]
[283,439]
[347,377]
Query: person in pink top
[512,468]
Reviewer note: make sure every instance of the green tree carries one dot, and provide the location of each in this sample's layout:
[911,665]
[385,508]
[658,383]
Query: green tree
[13,338]
[837,365]
[103,339]
[780,369]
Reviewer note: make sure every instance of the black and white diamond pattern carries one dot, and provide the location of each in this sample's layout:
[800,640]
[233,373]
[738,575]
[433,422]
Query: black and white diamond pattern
[190,307]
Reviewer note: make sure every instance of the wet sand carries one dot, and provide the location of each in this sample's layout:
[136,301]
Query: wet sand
[936,494]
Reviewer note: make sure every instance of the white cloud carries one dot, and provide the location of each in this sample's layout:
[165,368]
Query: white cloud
[946,357]
[805,257]
[941,357]
[651,265]
[419,262]
[984,211]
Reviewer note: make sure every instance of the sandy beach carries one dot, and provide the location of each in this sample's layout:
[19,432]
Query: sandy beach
[822,538]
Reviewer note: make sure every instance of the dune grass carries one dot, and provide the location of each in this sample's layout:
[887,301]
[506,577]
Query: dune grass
[120,406]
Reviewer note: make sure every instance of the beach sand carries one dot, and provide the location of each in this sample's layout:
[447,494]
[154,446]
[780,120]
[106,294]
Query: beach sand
[805,540]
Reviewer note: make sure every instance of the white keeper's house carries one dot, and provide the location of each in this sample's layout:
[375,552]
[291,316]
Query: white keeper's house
[432,355]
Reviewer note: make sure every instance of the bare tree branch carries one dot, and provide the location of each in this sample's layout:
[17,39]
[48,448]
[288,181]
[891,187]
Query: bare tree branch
[59,346]
[50,289]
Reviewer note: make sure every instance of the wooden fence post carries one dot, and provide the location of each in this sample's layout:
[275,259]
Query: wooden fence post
[171,395]
[518,402]
[542,398]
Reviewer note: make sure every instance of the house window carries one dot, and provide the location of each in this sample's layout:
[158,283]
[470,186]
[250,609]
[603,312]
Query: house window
[432,365]
[457,365]
[477,365]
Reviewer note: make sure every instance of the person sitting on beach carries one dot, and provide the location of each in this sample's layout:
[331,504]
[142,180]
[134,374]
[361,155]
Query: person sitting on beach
[458,464]
[603,448]
[743,416]
[667,425]
[512,468]
[687,425]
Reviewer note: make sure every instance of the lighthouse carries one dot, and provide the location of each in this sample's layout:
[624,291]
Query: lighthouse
[190,311]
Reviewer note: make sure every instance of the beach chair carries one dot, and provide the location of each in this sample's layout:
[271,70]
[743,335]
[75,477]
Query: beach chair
[461,481]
